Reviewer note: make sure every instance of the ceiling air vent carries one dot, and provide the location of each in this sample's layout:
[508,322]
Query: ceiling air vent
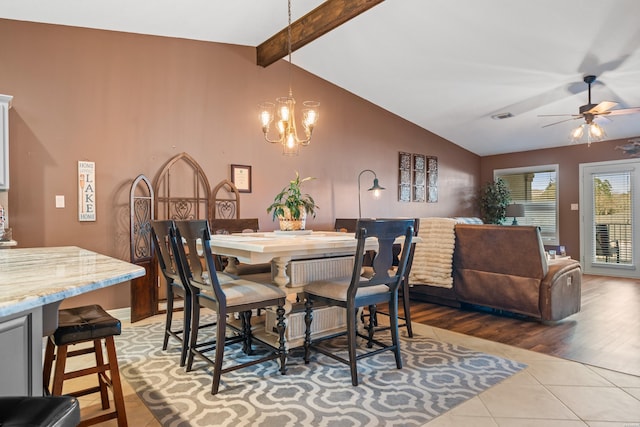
[501,116]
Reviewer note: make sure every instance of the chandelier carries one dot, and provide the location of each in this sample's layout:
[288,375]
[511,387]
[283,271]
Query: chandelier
[593,131]
[284,107]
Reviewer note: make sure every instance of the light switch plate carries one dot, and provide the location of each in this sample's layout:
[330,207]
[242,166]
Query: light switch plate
[59,201]
[574,206]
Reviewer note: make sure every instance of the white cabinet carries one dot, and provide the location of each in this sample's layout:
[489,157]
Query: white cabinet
[5,105]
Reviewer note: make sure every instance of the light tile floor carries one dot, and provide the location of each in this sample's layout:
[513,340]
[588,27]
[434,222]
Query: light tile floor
[550,392]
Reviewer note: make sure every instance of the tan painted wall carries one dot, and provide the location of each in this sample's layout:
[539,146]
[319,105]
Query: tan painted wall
[130,102]
[568,160]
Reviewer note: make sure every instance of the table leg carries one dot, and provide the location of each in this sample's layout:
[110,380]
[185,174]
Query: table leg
[232,266]
[281,279]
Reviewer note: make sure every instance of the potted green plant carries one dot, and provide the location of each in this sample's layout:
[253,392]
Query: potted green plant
[291,206]
[494,198]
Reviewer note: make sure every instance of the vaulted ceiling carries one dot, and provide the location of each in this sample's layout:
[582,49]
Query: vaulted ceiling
[445,65]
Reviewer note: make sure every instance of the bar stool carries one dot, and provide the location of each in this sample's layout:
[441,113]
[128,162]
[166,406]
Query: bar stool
[47,411]
[83,325]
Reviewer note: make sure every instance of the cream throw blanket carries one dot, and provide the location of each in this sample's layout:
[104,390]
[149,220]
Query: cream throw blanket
[433,257]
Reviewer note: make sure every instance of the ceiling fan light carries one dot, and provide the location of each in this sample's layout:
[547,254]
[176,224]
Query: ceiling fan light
[596,133]
[577,133]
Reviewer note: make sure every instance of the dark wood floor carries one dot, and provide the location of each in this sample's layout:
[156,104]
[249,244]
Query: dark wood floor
[605,333]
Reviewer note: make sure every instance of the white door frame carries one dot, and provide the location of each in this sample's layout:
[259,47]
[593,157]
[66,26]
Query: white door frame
[586,218]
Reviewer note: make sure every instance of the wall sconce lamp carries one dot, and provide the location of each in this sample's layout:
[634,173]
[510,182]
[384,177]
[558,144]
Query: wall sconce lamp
[516,211]
[376,188]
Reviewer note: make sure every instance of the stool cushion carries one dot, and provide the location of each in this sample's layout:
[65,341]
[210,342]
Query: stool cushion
[85,323]
[48,411]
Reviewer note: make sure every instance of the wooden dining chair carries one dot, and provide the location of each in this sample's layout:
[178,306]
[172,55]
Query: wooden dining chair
[161,231]
[236,296]
[403,290]
[231,226]
[345,225]
[357,291]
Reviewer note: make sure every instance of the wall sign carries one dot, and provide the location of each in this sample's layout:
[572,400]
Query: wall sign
[418,178]
[86,191]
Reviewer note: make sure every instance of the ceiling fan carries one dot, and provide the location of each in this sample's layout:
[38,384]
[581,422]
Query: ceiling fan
[590,111]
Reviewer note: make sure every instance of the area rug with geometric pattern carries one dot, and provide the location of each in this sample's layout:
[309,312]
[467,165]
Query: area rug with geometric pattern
[435,377]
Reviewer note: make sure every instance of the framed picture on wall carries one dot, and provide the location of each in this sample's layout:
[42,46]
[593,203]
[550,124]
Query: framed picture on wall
[241,177]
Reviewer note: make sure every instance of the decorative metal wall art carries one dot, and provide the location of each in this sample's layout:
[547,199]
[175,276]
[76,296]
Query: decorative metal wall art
[141,205]
[182,190]
[418,178]
[226,201]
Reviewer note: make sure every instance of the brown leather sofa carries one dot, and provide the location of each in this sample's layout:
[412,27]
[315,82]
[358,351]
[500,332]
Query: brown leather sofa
[505,268]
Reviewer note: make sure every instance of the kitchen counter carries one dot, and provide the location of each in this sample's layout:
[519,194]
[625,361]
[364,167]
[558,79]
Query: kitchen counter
[33,283]
[33,277]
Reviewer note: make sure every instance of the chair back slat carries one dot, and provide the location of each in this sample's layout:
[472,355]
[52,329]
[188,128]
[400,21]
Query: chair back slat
[233,225]
[195,235]
[347,225]
[386,231]
[161,232]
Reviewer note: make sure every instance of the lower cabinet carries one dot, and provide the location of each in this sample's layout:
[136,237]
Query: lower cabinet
[21,354]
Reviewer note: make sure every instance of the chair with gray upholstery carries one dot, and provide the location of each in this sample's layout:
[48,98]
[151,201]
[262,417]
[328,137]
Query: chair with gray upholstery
[161,239]
[236,296]
[404,288]
[357,291]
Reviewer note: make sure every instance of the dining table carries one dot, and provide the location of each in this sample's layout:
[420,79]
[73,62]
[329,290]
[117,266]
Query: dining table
[33,284]
[281,247]
[325,253]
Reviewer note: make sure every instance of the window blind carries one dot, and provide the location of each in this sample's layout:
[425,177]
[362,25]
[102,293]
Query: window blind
[537,191]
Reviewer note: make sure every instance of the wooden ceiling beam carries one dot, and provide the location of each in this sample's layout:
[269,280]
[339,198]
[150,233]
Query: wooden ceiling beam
[329,15]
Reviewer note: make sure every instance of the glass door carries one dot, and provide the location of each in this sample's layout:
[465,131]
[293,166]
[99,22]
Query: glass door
[609,230]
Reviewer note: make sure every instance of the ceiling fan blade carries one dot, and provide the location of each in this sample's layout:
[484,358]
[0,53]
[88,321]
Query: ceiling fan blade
[548,97]
[602,108]
[633,110]
[579,87]
[562,121]
[560,115]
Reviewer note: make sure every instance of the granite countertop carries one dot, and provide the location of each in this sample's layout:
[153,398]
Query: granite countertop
[33,277]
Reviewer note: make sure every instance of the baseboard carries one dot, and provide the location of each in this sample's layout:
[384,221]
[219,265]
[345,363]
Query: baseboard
[123,314]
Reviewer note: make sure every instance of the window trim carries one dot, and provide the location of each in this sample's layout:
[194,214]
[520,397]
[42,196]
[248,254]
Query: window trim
[553,240]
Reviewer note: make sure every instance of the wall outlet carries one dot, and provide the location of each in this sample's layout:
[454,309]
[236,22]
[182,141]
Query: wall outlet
[574,206]
[59,201]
